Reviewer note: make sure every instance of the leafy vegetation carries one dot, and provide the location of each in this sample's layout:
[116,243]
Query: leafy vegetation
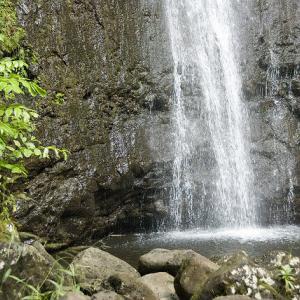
[18,142]
[59,287]
[49,289]
[59,98]
[287,276]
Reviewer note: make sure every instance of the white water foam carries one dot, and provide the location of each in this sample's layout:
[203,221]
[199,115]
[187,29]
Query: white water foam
[290,233]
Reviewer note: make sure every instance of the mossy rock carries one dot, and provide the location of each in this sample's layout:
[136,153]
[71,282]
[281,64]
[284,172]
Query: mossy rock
[239,275]
[94,266]
[192,272]
[30,263]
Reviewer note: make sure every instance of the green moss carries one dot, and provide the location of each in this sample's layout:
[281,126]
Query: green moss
[11,34]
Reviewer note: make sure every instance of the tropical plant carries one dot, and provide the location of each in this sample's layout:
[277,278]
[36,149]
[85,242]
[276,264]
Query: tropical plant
[287,276]
[18,142]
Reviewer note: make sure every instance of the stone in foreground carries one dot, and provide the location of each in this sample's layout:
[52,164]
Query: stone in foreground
[192,272]
[130,287]
[26,262]
[162,285]
[163,260]
[93,266]
[107,295]
[74,296]
[238,276]
[235,297]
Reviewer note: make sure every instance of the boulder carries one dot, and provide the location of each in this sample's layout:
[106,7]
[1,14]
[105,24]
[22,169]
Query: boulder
[238,276]
[74,296]
[107,295]
[222,260]
[130,287]
[163,260]
[234,297]
[192,272]
[25,262]
[93,266]
[162,285]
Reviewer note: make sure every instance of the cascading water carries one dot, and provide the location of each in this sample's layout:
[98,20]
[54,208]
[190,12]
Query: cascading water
[212,175]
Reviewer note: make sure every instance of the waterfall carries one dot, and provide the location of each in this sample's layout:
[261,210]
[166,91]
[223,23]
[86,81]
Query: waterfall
[212,175]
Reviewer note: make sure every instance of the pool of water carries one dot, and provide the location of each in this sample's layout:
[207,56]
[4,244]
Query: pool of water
[255,241]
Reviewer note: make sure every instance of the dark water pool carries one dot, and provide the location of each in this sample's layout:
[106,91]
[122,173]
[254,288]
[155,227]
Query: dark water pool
[255,241]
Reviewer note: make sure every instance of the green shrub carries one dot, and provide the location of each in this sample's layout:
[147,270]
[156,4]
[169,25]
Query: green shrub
[17,122]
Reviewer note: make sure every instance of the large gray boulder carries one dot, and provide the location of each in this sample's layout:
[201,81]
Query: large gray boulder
[163,260]
[74,296]
[162,285]
[235,297]
[239,276]
[192,272]
[107,295]
[93,266]
[130,287]
[26,262]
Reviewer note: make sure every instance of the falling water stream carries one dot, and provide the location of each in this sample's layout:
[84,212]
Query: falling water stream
[208,113]
[213,207]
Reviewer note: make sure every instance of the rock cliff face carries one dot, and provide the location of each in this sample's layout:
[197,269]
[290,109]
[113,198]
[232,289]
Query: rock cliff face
[111,60]
[271,79]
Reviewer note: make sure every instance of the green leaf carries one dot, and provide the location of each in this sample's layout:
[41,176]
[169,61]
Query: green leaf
[17,112]
[8,129]
[39,90]
[34,114]
[6,275]
[17,170]
[56,152]
[17,143]
[26,116]
[10,148]
[9,111]
[14,168]
[23,138]
[27,152]
[30,145]
[46,153]
[15,85]
[37,152]
[18,154]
